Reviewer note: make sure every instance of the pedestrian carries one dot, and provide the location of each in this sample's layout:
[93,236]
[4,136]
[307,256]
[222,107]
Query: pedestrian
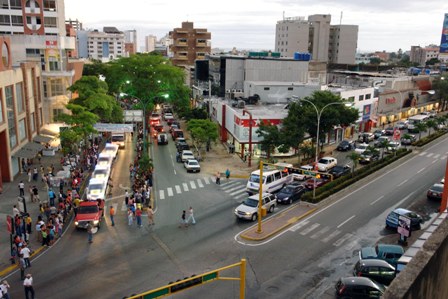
[227,174]
[150,216]
[15,211]
[26,253]
[191,216]
[218,178]
[28,285]
[183,222]
[51,196]
[4,287]
[35,174]
[126,198]
[130,217]
[29,175]
[22,266]
[138,216]
[111,215]
[21,189]
[90,232]
[35,194]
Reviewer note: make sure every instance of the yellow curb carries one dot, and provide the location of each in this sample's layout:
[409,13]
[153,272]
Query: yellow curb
[11,268]
[288,223]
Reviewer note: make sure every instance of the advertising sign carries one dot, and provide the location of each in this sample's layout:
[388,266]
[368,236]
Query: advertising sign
[444,39]
[366,112]
[404,226]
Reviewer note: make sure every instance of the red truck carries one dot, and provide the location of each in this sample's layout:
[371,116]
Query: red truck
[89,211]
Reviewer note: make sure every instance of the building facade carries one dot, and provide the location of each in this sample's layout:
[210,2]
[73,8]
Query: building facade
[189,44]
[422,55]
[105,45]
[150,43]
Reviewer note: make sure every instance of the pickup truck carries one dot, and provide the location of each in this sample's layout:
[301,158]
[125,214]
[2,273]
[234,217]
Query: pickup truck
[89,211]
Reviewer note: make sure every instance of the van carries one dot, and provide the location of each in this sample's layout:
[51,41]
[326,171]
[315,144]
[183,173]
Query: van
[105,159]
[118,138]
[386,252]
[414,120]
[272,181]
[97,189]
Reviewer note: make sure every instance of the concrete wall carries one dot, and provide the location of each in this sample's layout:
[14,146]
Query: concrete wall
[426,275]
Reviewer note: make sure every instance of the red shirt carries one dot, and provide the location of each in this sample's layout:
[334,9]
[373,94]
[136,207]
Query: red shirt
[138,212]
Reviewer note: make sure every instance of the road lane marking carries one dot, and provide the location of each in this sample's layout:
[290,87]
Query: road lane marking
[193,185]
[374,202]
[320,233]
[240,196]
[434,161]
[309,229]
[170,191]
[437,156]
[178,191]
[185,186]
[206,180]
[421,170]
[233,189]
[331,236]
[230,186]
[339,226]
[200,183]
[298,226]
[162,194]
[429,155]
[422,153]
[237,192]
[402,183]
[342,239]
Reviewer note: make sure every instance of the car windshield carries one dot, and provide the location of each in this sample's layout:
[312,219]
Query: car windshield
[99,173]
[192,163]
[95,188]
[254,178]
[324,161]
[287,190]
[87,209]
[438,188]
[362,146]
[250,202]
[338,168]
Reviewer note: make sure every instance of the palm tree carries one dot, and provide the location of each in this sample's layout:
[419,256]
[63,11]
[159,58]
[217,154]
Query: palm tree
[384,144]
[406,137]
[421,127]
[354,156]
[431,124]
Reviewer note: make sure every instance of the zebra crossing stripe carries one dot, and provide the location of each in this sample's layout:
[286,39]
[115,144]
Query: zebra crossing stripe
[193,185]
[178,191]
[200,183]
[162,194]
[170,191]
[320,233]
[422,153]
[436,156]
[233,189]
[309,229]
[229,186]
[344,238]
[298,226]
[444,158]
[240,196]
[237,192]
[331,236]
[206,180]
[185,186]
[429,155]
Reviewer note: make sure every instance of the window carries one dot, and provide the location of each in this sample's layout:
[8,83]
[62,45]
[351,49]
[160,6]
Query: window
[32,123]
[361,97]
[54,65]
[50,22]
[22,129]
[56,87]
[17,4]
[351,99]
[19,97]
[17,20]
[290,88]
[278,175]
[50,5]
[266,88]
[368,96]
[374,270]
[57,112]
[269,179]
[11,116]
[5,20]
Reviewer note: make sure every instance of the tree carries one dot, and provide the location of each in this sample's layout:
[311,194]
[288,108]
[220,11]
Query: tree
[195,113]
[421,127]
[354,157]
[271,138]
[432,61]
[384,145]
[406,137]
[440,85]
[202,131]
[375,60]
[94,68]
[431,124]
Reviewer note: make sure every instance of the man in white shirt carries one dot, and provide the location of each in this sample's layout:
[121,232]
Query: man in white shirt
[28,285]
[21,189]
[26,255]
[15,211]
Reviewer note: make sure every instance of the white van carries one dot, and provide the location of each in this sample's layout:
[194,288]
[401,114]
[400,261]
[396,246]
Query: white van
[105,159]
[414,120]
[273,180]
[97,189]
[118,138]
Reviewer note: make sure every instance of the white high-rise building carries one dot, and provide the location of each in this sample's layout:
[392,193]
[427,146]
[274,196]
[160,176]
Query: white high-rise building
[150,43]
[103,45]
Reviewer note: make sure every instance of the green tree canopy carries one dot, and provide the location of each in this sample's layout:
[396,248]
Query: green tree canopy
[94,68]
[271,138]
[440,85]
[203,131]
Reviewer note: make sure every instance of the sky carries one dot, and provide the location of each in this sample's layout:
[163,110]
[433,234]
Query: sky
[250,24]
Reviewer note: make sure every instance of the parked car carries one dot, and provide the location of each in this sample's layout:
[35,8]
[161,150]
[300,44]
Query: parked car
[389,131]
[369,156]
[248,209]
[378,133]
[366,137]
[192,165]
[304,173]
[435,192]
[186,155]
[310,183]
[177,133]
[339,171]
[402,125]
[387,252]
[392,218]
[326,163]
[290,193]
[380,141]
[408,139]
[167,116]
[361,148]
[377,270]
[393,146]
[345,145]
[358,287]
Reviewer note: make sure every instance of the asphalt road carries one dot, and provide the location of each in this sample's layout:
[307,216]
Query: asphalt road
[303,262]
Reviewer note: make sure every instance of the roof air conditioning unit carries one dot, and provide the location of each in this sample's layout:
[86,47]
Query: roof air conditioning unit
[233,90]
[227,90]
[239,90]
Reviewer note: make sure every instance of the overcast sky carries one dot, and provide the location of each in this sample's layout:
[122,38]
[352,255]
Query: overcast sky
[250,24]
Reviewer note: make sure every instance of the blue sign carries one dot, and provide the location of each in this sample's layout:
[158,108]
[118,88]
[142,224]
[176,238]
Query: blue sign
[366,112]
[444,40]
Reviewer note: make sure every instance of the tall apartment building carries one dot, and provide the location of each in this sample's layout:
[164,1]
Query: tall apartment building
[103,45]
[189,44]
[422,55]
[325,42]
[130,41]
[37,33]
[150,43]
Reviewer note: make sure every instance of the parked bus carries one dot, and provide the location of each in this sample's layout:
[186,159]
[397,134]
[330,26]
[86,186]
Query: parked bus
[414,120]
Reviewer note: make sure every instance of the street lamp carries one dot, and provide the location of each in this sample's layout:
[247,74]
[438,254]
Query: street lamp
[250,136]
[319,114]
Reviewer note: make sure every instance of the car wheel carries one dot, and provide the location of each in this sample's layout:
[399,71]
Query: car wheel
[290,201]
[271,209]
[254,217]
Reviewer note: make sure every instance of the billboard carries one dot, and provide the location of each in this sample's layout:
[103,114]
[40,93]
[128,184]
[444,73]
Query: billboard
[444,40]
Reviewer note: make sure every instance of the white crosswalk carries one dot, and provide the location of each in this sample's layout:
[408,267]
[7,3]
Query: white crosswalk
[433,155]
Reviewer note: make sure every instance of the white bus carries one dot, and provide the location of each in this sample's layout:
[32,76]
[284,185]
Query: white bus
[414,120]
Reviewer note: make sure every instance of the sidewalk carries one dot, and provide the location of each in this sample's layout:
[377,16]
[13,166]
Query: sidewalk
[9,198]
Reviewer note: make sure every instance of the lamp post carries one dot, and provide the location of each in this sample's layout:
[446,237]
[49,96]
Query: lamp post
[318,114]
[250,136]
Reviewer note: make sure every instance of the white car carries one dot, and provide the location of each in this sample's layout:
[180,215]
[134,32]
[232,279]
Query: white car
[393,146]
[326,163]
[248,209]
[111,149]
[97,189]
[101,172]
[105,159]
[187,155]
[192,165]
[168,116]
[361,148]
[303,176]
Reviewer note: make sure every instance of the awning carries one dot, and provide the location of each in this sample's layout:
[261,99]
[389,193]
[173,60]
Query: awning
[32,146]
[42,138]
[48,132]
[23,153]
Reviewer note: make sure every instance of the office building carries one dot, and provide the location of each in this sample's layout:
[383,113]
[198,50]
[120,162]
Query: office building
[105,45]
[150,43]
[421,55]
[130,42]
